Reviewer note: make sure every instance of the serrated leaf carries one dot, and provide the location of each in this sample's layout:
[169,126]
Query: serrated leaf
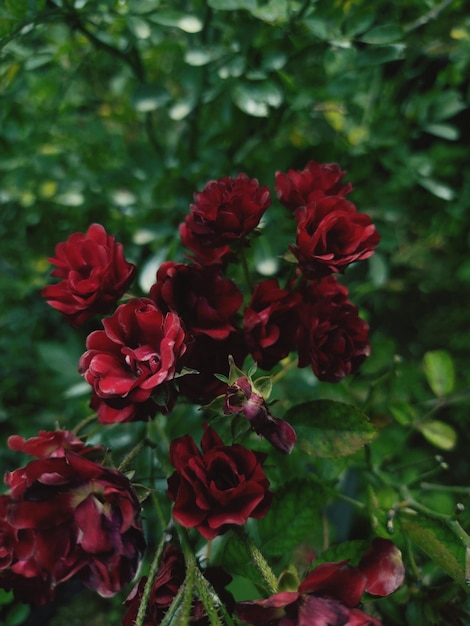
[439,371]
[330,429]
[439,543]
[292,518]
[384,34]
[438,433]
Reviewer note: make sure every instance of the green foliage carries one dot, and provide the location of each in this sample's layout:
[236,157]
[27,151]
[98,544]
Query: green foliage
[116,112]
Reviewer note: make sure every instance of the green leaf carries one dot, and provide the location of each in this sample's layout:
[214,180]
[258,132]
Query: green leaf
[272,11]
[255,98]
[440,190]
[353,550]
[439,371]
[326,428]
[232,5]
[438,433]
[17,8]
[235,557]
[149,97]
[439,543]
[292,518]
[378,55]
[184,21]
[385,34]
[446,131]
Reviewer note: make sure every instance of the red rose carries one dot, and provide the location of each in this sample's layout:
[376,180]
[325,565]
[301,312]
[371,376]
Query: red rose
[331,235]
[199,253]
[94,275]
[133,360]
[330,593]
[208,357]
[331,336]
[270,322]
[227,210]
[218,488]
[168,580]
[71,517]
[298,188]
[204,300]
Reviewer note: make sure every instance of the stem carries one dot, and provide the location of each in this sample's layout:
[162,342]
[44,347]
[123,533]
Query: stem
[87,420]
[427,17]
[207,599]
[259,561]
[246,271]
[131,456]
[464,491]
[140,619]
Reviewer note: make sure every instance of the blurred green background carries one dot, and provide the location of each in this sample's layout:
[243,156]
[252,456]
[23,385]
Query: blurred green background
[116,111]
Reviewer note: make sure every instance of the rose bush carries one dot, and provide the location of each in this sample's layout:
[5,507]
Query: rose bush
[94,275]
[67,516]
[218,488]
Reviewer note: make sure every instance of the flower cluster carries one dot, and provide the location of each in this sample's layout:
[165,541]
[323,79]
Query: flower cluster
[67,516]
[194,318]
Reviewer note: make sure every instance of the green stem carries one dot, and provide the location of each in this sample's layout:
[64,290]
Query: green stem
[140,619]
[464,491]
[259,561]
[246,271]
[207,594]
[127,460]
[81,425]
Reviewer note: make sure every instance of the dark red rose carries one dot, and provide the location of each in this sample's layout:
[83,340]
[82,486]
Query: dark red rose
[331,337]
[132,362]
[331,235]
[227,210]
[208,357]
[270,322]
[49,444]
[94,275]
[168,580]
[240,397]
[68,516]
[297,188]
[330,593]
[201,296]
[218,488]
[203,255]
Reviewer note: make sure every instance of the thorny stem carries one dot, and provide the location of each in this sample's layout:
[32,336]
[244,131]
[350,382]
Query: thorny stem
[127,460]
[140,619]
[259,561]
[81,425]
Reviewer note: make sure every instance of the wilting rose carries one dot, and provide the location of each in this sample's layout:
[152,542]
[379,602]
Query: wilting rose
[94,275]
[270,322]
[68,516]
[332,234]
[298,187]
[209,357]
[132,362]
[168,580]
[205,300]
[218,488]
[241,398]
[330,593]
[227,210]
[49,444]
[331,337]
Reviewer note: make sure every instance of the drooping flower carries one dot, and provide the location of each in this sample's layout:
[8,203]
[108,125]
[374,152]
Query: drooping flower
[331,337]
[67,516]
[131,364]
[226,210]
[298,187]
[241,398]
[332,234]
[94,275]
[218,488]
[330,594]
